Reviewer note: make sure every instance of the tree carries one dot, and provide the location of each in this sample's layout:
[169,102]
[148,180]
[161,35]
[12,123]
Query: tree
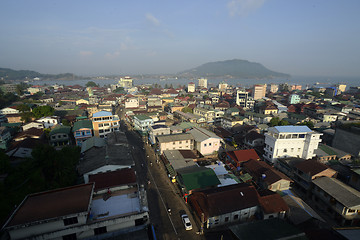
[118,90]
[275,121]
[26,116]
[309,124]
[186,110]
[65,122]
[43,111]
[91,84]
[23,108]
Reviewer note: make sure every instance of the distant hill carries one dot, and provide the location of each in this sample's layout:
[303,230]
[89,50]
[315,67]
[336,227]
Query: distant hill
[235,68]
[10,74]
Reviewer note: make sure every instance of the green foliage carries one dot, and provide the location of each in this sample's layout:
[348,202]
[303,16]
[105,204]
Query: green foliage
[187,110]
[309,124]
[91,84]
[23,108]
[43,111]
[275,121]
[119,90]
[65,122]
[7,99]
[26,116]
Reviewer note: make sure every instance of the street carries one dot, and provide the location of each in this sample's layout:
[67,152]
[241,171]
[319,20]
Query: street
[162,193]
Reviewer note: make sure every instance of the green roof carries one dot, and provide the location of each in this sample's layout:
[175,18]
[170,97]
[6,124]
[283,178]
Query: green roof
[245,177]
[296,116]
[327,149]
[60,129]
[82,124]
[81,118]
[233,109]
[18,124]
[199,178]
[142,117]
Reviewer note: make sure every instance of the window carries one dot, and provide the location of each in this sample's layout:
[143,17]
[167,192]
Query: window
[236,217]
[209,144]
[69,221]
[204,144]
[100,230]
[285,150]
[70,237]
[292,149]
[226,219]
[301,135]
[180,142]
[173,143]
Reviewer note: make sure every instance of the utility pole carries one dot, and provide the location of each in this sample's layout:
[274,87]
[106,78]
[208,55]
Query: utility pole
[202,224]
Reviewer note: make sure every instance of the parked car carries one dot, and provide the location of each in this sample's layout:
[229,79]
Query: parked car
[186,222]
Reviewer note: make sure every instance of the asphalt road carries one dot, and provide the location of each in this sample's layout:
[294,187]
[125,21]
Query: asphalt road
[161,192]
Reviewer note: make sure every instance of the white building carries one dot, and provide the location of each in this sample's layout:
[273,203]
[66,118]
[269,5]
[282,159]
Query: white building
[9,110]
[202,82]
[157,130]
[49,121]
[191,87]
[223,86]
[132,103]
[244,100]
[259,91]
[206,142]
[126,82]
[290,141]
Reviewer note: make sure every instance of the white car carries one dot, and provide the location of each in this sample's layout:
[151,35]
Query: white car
[186,222]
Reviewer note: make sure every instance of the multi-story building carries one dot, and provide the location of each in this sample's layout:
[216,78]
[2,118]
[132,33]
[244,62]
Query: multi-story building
[157,130]
[82,131]
[5,137]
[295,87]
[202,83]
[49,121]
[142,123]
[244,100]
[211,115]
[294,99]
[9,110]
[132,102]
[223,86]
[274,88]
[60,136]
[8,88]
[259,91]
[290,141]
[182,141]
[341,87]
[79,212]
[191,87]
[105,122]
[126,82]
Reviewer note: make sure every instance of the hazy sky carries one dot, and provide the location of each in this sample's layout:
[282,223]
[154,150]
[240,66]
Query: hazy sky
[313,37]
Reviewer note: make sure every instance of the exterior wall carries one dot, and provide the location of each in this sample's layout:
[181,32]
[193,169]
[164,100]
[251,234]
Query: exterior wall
[237,216]
[49,122]
[191,87]
[9,110]
[143,125]
[275,215]
[32,124]
[208,146]
[105,125]
[156,132]
[177,145]
[81,135]
[132,103]
[60,139]
[300,145]
[280,185]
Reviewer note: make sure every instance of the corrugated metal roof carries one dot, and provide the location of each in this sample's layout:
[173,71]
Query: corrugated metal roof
[174,137]
[102,114]
[201,134]
[293,129]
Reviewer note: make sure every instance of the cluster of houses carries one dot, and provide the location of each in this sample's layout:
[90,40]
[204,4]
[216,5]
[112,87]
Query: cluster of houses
[219,145]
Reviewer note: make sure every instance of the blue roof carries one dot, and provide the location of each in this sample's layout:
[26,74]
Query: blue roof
[102,114]
[292,129]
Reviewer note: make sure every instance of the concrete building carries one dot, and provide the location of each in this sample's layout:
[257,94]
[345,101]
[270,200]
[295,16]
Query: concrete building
[274,88]
[223,86]
[142,123]
[259,91]
[203,83]
[191,87]
[60,136]
[78,212]
[104,123]
[132,102]
[8,88]
[182,141]
[157,130]
[244,100]
[49,121]
[82,131]
[9,110]
[294,99]
[290,141]
[126,82]
[206,142]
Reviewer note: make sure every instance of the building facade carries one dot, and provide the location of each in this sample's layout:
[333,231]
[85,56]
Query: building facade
[104,123]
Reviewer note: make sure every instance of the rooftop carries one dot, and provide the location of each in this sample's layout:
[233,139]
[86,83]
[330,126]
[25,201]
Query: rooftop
[201,134]
[292,129]
[102,114]
[82,124]
[112,179]
[343,193]
[54,203]
[174,137]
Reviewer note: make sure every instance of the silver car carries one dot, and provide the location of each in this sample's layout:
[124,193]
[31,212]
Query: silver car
[186,222]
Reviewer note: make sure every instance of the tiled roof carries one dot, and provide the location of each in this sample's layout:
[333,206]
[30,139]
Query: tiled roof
[243,155]
[174,137]
[227,199]
[53,204]
[112,179]
[272,202]
[311,167]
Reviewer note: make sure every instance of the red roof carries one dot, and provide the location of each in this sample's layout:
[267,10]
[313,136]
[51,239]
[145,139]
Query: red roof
[240,156]
[111,179]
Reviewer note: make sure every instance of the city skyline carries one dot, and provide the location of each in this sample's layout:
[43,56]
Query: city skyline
[97,38]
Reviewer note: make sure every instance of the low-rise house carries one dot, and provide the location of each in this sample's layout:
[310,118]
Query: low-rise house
[82,101]
[354,179]
[196,178]
[49,121]
[228,122]
[5,137]
[254,139]
[60,136]
[23,149]
[338,199]
[189,117]
[206,142]
[238,157]
[9,110]
[225,205]
[272,205]
[307,171]
[258,118]
[33,133]
[82,131]
[98,157]
[266,176]
[182,141]
[131,103]
[326,153]
[14,118]
[38,125]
